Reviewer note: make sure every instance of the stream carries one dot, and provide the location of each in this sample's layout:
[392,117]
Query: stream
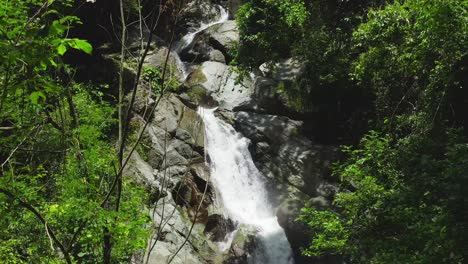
[239,184]
[241,188]
[187,40]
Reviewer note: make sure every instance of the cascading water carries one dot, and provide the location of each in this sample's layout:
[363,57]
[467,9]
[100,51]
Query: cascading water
[242,189]
[187,40]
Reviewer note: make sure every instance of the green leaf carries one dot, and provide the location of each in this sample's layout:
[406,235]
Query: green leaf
[81,44]
[61,49]
[34,97]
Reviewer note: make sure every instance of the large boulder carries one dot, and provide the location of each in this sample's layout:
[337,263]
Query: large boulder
[269,97]
[220,81]
[157,58]
[224,36]
[196,12]
[282,153]
[218,227]
[243,246]
[286,70]
[261,127]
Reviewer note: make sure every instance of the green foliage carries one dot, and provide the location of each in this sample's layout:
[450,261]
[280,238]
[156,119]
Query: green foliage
[328,231]
[320,39]
[399,209]
[154,77]
[265,28]
[58,156]
[70,193]
[403,195]
[411,53]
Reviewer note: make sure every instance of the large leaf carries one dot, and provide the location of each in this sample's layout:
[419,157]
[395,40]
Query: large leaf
[81,44]
[61,49]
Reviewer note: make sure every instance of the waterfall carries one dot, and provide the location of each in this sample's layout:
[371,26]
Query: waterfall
[242,189]
[187,40]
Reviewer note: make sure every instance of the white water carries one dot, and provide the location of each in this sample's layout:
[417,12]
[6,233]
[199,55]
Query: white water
[242,189]
[187,40]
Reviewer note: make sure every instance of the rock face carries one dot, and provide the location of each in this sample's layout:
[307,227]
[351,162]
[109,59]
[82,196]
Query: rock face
[171,164]
[219,80]
[233,6]
[185,212]
[283,154]
[224,36]
[196,12]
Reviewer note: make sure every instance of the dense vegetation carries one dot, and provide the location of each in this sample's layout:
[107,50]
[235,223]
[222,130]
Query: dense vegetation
[387,77]
[58,196]
[402,68]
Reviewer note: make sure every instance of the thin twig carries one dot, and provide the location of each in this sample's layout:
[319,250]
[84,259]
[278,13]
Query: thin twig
[49,230]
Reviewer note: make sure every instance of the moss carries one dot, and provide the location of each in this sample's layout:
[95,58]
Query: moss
[197,93]
[145,144]
[196,77]
[294,96]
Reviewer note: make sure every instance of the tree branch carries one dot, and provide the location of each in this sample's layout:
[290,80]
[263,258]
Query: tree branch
[49,230]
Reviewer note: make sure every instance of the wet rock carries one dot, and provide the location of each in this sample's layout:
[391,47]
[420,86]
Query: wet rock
[242,247]
[296,232]
[192,123]
[197,96]
[196,12]
[198,51]
[218,227]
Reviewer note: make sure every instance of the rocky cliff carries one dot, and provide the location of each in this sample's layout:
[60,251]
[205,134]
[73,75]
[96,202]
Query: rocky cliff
[188,220]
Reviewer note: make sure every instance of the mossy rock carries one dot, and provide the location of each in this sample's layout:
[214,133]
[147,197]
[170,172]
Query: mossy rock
[196,77]
[197,93]
[200,96]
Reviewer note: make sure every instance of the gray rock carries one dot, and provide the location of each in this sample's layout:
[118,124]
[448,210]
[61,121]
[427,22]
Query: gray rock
[216,55]
[261,127]
[168,113]
[243,246]
[144,99]
[285,70]
[224,36]
[201,171]
[184,149]
[192,123]
[268,96]
[233,6]
[220,80]
[158,58]
[198,51]
[139,169]
[296,232]
[218,227]
[196,12]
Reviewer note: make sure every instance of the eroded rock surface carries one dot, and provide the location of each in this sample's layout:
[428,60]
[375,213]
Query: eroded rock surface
[171,160]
